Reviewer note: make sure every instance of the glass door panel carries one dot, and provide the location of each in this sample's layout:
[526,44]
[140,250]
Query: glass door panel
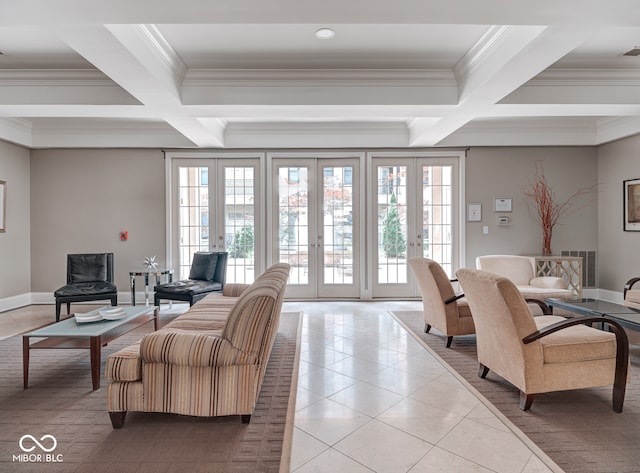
[317,227]
[193,215]
[437,215]
[339,230]
[239,222]
[392,228]
[293,222]
[415,202]
[216,211]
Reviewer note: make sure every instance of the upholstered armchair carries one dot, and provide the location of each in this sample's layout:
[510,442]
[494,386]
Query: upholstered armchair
[631,295]
[89,278]
[443,309]
[207,274]
[546,353]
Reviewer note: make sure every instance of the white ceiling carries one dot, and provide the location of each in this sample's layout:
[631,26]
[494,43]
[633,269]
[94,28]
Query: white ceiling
[250,73]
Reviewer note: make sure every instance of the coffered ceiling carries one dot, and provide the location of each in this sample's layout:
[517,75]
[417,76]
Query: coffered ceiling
[251,73]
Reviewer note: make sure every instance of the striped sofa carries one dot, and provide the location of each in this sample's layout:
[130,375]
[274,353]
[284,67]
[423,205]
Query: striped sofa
[209,361]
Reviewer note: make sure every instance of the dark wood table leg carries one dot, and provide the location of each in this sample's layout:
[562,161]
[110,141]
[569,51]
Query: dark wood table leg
[25,361]
[156,317]
[94,347]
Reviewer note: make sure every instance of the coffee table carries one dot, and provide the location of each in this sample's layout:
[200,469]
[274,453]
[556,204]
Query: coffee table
[625,315]
[69,334]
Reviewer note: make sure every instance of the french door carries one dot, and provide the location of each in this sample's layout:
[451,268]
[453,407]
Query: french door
[414,214]
[316,224]
[216,208]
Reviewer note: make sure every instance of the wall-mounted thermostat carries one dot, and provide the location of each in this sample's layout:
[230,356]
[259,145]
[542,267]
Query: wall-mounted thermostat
[503,220]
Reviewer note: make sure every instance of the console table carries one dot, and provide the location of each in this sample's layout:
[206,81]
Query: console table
[158,273]
[568,268]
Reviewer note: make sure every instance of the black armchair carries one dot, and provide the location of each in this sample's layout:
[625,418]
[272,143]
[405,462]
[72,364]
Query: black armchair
[89,278]
[207,274]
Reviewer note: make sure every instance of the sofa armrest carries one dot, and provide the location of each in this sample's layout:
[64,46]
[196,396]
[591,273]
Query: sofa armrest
[234,289]
[191,349]
[548,282]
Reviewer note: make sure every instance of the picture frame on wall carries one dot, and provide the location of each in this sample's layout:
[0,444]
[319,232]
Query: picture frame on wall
[3,206]
[631,189]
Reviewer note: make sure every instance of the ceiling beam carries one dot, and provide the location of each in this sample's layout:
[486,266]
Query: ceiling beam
[502,61]
[140,61]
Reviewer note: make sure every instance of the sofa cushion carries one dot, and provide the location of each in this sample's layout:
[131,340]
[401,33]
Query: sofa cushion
[541,293]
[189,286]
[80,289]
[203,266]
[551,282]
[578,343]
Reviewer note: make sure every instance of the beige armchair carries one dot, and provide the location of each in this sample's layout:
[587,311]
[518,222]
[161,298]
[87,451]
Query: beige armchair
[631,295]
[443,309]
[521,270]
[546,353]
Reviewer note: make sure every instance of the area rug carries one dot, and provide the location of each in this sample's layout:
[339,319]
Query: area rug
[60,425]
[577,429]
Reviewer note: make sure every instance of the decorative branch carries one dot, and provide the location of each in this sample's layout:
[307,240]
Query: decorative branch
[549,210]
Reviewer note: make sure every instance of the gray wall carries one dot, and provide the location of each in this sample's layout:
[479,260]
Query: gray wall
[505,172]
[62,201]
[15,256]
[82,199]
[619,251]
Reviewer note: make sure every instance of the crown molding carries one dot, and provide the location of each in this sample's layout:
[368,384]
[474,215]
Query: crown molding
[320,77]
[316,134]
[524,132]
[16,130]
[156,43]
[316,128]
[615,128]
[589,77]
[54,77]
[481,50]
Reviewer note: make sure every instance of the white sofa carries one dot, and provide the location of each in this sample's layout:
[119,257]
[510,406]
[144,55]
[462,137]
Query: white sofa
[521,270]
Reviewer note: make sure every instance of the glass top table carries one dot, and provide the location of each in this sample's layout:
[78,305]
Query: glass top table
[627,316]
[71,334]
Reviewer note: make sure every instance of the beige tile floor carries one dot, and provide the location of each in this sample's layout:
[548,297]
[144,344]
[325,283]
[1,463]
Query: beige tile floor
[372,398]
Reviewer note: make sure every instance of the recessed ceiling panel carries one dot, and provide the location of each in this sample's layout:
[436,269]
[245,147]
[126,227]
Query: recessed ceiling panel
[296,46]
[604,50]
[31,47]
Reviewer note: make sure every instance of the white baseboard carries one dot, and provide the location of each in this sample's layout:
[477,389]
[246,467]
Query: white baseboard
[14,302]
[605,294]
[124,297]
[43,298]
